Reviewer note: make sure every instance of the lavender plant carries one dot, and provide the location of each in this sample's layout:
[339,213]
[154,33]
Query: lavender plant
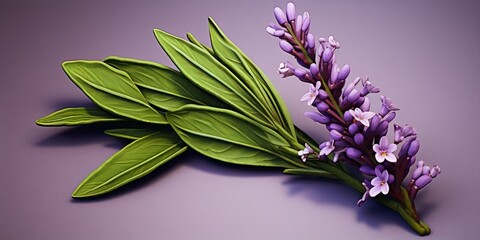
[220,104]
[358,135]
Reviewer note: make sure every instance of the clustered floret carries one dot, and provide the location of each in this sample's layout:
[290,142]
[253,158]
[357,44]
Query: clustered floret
[357,134]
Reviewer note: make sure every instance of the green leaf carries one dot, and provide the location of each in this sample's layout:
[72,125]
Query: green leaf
[132,162]
[303,138]
[234,58]
[193,40]
[228,136]
[77,116]
[162,86]
[112,90]
[131,133]
[209,74]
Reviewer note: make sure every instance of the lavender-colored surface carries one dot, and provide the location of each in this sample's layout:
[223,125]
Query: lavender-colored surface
[423,54]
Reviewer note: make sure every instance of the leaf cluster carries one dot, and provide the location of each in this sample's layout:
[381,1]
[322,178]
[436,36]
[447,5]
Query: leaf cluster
[218,103]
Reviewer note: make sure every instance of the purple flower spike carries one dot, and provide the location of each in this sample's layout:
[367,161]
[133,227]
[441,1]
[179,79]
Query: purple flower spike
[362,117]
[329,147]
[286,46]
[312,93]
[290,11]
[384,151]
[379,183]
[280,16]
[343,74]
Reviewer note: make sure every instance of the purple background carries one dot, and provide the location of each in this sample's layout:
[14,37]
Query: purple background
[424,55]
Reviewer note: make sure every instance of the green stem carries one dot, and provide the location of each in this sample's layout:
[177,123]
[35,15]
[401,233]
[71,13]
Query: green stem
[405,209]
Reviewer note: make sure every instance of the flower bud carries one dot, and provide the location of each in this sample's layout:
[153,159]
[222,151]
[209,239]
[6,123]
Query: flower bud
[317,117]
[374,122]
[290,11]
[353,96]
[322,94]
[279,15]
[358,138]
[435,171]
[347,116]
[367,170]
[390,116]
[314,69]
[425,170]
[335,135]
[334,74]
[365,107]
[423,181]
[300,73]
[327,55]
[414,147]
[298,25]
[310,41]
[334,126]
[417,173]
[322,107]
[306,22]
[353,153]
[343,74]
[286,46]
[353,128]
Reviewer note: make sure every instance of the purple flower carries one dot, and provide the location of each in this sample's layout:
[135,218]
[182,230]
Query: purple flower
[312,93]
[379,183]
[286,69]
[400,133]
[329,147]
[305,152]
[368,87]
[362,117]
[387,106]
[384,151]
